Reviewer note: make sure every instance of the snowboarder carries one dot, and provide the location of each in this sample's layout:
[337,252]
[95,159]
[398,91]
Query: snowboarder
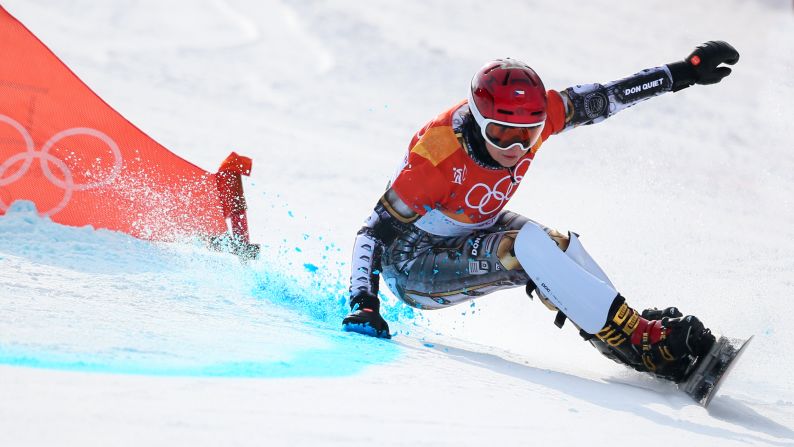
[440,236]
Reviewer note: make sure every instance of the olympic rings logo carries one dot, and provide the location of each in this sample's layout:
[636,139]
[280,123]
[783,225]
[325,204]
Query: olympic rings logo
[45,159]
[494,198]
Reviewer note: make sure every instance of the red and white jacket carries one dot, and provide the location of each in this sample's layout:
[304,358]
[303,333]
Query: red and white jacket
[451,191]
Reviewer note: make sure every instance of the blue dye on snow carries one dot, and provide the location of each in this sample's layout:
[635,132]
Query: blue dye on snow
[340,357]
[277,319]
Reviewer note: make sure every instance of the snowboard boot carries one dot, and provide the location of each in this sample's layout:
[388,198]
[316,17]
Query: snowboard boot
[660,342]
[365,316]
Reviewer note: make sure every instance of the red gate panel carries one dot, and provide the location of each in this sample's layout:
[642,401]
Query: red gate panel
[82,163]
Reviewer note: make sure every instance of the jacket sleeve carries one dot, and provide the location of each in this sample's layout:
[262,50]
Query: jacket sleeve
[419,184]
[555,114]
[388,220]
[593,103]
[366,263]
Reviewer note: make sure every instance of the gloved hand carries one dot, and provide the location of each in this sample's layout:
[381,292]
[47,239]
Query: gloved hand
[703,65]
[365,317]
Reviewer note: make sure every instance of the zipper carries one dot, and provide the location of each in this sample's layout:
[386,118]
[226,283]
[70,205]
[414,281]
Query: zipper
[512,174]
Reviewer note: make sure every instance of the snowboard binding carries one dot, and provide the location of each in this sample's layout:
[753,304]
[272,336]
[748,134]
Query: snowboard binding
[661,342]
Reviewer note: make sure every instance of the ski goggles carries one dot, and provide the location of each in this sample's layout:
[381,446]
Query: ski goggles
[504,136]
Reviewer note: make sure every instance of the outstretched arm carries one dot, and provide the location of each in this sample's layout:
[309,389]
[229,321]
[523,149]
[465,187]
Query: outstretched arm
[592,103]
[389,218]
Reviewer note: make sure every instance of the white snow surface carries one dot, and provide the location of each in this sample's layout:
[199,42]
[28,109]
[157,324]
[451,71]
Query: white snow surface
[684,200]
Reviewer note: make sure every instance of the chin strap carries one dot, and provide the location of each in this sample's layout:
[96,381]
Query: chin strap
[475,144]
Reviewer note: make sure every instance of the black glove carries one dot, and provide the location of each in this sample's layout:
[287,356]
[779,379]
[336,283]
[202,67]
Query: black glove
[703,65]
[365,316]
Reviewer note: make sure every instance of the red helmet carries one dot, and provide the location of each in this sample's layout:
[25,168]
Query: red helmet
[508,93]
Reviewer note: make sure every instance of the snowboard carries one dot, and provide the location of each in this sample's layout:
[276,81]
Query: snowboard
[710,373]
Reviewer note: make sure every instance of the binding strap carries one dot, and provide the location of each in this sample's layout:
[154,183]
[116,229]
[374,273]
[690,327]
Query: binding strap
[621,326]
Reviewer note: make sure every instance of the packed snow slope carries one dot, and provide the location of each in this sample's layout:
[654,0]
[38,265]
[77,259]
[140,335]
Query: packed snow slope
[685,200]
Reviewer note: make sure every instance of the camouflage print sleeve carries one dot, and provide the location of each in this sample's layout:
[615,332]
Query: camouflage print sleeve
[390,217]
[593,103]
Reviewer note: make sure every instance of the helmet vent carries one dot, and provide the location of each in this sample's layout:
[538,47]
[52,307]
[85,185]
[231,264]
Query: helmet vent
[507,112]
[507,77]
[539,112]
[531,80]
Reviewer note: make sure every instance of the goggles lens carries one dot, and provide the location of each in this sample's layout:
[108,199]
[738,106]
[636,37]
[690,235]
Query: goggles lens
[504,137]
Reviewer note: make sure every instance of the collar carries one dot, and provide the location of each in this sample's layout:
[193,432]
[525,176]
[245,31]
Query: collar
[474,144]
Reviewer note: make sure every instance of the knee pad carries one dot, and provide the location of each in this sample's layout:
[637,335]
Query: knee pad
[584,297]
[579,255]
